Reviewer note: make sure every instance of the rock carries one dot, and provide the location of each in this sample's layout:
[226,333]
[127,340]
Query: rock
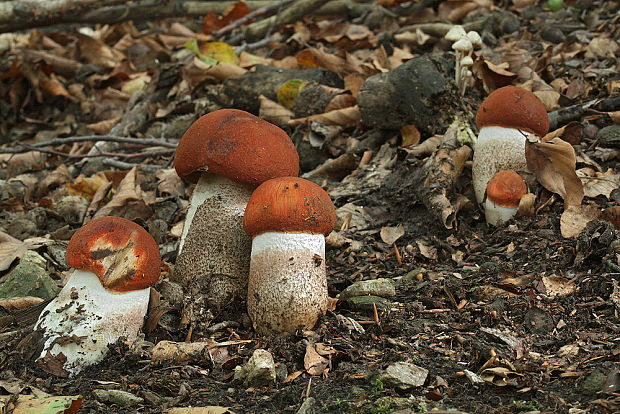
[171,292]
[365,302]
[404,376]
[29,278]
[22,228]
[593,383]
[413,93]
[609,136]
[538,321]
[378,287]
[552,34]
[308,406]
[281,372]
[258,371]
[244,90]
[118,397]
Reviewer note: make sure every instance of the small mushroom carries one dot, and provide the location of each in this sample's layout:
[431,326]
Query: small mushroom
[455,33]
[116,262]
[287,289]
[505,119]
[227,153]
[504,192]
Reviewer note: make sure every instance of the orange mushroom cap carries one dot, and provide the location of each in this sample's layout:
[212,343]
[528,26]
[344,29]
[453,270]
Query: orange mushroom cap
[237,145]
[122,254]
[289,205]
[513,107]
[505,189]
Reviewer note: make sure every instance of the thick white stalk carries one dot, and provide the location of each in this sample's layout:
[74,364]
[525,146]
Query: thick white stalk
[85,317]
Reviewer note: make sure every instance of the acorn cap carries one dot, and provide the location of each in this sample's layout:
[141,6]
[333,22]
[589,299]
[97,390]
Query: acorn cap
[122,254]
[513,107]
[505,189]
[289,205]
[237,145]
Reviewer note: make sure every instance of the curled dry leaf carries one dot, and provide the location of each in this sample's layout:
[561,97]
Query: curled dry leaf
[549,98]
[345,117]
[410,134]
[526,205]
[273,112]
[103,127]
[57,177]
[554,163]
[576,218]
[314,363]
[15,304]
[596,183]
[428,251]
[426,147]
[570,133]
[127,193]
[499,376]
[169,183]
[612,215]
[12,248]
[558,286]
[389,235]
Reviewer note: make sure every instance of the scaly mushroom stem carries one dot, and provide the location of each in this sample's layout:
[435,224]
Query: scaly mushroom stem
[214,252]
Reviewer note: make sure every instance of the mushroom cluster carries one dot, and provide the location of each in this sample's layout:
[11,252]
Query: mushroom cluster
[227,153]
[288,218]
[506,118]
[464,44]
[116,262]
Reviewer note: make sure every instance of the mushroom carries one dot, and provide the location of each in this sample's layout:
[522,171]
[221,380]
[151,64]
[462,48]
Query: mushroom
[227,153]
[287,218]
[504,192]
[116,262]
[505,119]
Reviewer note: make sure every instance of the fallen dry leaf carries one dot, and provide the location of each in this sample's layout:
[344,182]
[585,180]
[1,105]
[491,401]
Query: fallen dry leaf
[14,304]
[596,183]
[576,218]
[558,286]
[314,363]
[273,112]
[554,164]
[345,117]
[389,235]
[11,248]
[127,202]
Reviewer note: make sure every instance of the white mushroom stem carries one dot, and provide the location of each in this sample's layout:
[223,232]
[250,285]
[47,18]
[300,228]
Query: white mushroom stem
[496,214]
[214,252]
[287,287]
[497,149]
[85,318]
[209,186]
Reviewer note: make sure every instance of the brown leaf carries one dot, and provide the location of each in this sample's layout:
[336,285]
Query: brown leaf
[104,127]
[14,304]
[596,183]
[558,286]
[554,163]
[127,202]
[274,112]
[314,363]
[576,218]
[57,177]
[169,183]
[341,101]
[342,117]
[389,235]
[570,133]
[11,248]
[612,214]
[410,134]
[493,76]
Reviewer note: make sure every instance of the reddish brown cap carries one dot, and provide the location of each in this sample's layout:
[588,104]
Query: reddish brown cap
[505,189]
[290,205]
[513,107]
[236,145]
[121,253]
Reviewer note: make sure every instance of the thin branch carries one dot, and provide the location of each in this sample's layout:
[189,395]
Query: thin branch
[90,138]
[99,154]
[129,165]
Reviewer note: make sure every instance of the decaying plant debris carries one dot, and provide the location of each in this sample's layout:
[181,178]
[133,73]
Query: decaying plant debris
[430,308]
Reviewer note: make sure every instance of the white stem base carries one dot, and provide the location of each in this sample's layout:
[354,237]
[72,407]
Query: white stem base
[287,287]
[497,149]
[85,317]
[497,215]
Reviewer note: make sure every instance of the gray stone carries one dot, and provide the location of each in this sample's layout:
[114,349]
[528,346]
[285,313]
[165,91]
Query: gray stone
[29,278]
[404,375]
[609,136]
[259,370]
[308,406]
[365,302]
[378,287]
[72,209]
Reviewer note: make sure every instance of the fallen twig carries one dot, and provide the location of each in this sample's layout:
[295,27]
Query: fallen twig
[89,138]
[129,165]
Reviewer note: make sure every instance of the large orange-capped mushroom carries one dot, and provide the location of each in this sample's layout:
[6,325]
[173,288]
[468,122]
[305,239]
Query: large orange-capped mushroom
[116,262]
[505,119]
[227,153]
[288,219]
